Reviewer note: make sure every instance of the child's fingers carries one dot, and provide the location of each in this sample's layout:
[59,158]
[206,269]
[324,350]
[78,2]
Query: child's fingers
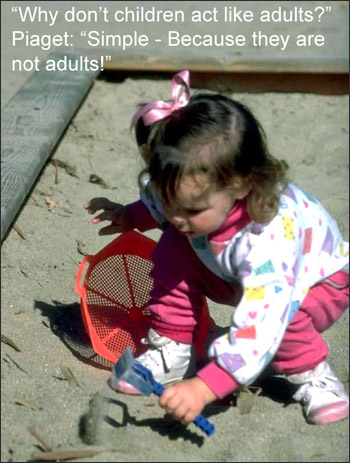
[173,402]
[180,413]
[189,416]
[96,204]
[168,393]
[105,215]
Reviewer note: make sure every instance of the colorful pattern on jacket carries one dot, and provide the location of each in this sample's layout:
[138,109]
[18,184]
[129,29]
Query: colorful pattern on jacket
[276,264]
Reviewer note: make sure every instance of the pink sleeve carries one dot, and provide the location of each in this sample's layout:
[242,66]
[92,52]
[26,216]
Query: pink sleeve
[217,379]
[141,216]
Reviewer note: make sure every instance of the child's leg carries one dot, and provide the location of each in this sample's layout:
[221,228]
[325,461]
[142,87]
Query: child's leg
[303,347]
[180,282]
[303,352]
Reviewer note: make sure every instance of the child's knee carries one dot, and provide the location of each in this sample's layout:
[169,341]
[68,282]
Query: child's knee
[326,302]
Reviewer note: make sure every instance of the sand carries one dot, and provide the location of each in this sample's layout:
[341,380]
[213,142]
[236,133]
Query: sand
[40,309]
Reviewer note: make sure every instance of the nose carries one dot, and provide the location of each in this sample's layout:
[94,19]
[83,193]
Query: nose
[178,221]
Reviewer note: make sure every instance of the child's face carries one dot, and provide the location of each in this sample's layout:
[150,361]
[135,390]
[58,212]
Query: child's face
[199,208]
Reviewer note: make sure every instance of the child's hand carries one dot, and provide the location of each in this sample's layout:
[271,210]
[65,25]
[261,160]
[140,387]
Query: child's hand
[115,213]
[185,400]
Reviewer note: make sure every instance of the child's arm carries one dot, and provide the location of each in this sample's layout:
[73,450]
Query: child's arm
[267,266]
[238,358]
[144,214]
[141,216]
[122,218]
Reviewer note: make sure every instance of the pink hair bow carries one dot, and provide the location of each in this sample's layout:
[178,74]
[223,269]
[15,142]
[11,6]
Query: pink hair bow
[160,109]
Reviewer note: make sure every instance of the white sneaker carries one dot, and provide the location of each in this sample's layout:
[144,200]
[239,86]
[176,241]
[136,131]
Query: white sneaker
[322,395]
[168,360]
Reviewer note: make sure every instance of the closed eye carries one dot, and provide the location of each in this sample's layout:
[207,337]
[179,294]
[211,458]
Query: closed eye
[195,211]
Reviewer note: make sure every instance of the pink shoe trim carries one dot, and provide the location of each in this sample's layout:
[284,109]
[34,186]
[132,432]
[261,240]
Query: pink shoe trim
[329,413]
[126,388]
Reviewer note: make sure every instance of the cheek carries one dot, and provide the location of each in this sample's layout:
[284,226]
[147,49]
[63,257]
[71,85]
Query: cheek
[198,223]
[207,221]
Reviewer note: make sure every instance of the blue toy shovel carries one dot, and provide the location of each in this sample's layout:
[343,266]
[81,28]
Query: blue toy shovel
[133,372]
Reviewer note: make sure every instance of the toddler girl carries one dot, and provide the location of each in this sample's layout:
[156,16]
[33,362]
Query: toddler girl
[237,232]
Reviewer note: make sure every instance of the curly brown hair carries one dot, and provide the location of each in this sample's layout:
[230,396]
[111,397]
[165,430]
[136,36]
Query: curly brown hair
[220,137]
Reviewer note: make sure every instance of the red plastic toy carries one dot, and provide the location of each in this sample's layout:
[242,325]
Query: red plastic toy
[115,292]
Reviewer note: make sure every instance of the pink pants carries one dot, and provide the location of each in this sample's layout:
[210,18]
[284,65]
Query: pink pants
[181,280]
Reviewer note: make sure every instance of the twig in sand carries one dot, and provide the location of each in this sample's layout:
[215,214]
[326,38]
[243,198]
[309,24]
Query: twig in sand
[53,204]
[41,193]
[80,246]
[56,172]
[66,454]
[20,312]
[98,180]
[68,374]
[71,170]
[15,364]
[19,231]
[10,343]
[34,201]
[34,433]
[25,403]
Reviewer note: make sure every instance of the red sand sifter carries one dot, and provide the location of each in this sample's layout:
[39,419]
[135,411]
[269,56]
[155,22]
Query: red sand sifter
[115,292]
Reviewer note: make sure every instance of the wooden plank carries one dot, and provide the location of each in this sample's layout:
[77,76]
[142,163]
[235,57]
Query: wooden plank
[148,60]
[32,123]
[322,84]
